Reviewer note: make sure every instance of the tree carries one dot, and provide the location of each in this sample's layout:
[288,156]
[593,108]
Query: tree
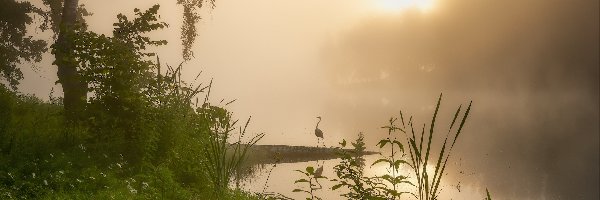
[74,87]
[65,18]
[15,45]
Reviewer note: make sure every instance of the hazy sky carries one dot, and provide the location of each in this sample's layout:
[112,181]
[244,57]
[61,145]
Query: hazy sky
[531,68]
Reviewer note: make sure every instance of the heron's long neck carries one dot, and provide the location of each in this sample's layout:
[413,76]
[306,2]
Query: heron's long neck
[318,123]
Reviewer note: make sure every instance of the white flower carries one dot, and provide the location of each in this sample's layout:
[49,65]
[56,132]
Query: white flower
[45,182]
[131,189]
[119,164]
[33,175]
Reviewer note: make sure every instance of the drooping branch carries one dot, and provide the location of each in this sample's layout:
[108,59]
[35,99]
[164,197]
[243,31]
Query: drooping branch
[190,18]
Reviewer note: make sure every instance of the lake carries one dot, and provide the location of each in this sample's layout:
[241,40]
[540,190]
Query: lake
[282,177]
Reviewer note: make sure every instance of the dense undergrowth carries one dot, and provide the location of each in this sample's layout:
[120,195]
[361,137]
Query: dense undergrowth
[142,134]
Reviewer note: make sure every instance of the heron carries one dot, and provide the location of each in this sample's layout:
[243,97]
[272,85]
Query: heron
[318,132]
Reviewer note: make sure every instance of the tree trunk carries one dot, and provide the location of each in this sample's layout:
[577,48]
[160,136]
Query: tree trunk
[74,87]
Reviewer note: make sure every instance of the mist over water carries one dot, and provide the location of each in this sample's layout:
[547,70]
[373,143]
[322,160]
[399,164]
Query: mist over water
[531,69]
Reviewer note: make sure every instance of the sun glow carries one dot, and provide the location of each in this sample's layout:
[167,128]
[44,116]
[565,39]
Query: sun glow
[399,5]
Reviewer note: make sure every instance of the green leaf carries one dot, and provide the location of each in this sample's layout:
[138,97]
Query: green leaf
[300,181]
[343,143]
[382,160]
[382,143]
[335,187]
[399,145]
[398,162]
[310,170]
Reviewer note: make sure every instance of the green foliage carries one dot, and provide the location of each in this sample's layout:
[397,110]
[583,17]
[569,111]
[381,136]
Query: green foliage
[141,136]
[223,160]
[427,186]
[188,28]
[350,169]
[488,197]
[15,45]
[350,173]
[311,180]
[53,13]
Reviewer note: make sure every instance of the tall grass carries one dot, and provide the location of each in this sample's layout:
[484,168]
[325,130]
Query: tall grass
[223,160]
[427,186]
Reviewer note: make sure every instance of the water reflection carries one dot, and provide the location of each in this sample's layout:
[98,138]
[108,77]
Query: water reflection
[282,177]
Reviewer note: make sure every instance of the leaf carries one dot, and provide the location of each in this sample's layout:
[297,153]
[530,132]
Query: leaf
[399,145]
[310,170]
[300,181]
[298,190]
[335,187]
[343,143]
[382,143]
[398,162]
[302,172]
[382,160]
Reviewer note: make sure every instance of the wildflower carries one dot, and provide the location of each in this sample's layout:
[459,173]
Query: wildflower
[144,185]
[45,182]
[52,155]
[33,175]
[78,180]
[11,176]
[119,164]
[131,189]
[61,172]
[91,177]
[102,173]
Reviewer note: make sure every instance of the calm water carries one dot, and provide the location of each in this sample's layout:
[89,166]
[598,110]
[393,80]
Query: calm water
[282,177]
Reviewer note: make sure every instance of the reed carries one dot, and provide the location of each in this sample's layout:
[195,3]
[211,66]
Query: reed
[427,186]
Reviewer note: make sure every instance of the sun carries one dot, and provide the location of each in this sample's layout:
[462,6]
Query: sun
[400,5]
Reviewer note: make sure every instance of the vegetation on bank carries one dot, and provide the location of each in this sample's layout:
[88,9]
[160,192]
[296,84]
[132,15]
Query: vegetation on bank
[406,149]
[142,134]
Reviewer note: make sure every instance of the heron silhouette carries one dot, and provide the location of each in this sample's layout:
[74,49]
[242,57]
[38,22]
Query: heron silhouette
[319,133]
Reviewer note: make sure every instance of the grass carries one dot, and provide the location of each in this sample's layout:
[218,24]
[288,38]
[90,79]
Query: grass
[428,187]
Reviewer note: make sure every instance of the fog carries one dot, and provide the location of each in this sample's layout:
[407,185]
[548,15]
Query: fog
[531,69]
